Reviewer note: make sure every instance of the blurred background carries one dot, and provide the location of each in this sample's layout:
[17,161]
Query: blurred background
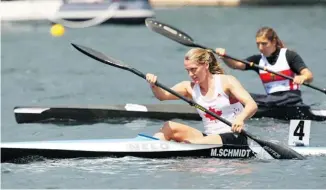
[39,67]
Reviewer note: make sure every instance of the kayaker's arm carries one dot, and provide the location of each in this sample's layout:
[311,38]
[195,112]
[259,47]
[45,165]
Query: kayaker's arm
[234,64]
[229,62]
[237,91]
[162,95]
[305,76]
[296,63]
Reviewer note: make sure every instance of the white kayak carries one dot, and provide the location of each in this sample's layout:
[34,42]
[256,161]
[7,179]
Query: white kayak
[142,146]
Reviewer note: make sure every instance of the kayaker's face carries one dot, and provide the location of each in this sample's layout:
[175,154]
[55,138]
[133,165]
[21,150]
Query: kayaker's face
[265,46]
[196,71]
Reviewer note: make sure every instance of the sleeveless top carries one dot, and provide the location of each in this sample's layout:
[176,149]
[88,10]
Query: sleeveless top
[273,83]
[221,104]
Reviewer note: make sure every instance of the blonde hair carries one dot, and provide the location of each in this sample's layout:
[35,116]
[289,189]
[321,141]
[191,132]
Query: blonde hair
[202,56]
[271,35]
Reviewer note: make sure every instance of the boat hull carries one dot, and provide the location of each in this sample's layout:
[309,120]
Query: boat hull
[125,12]
[128,112]
[17,155]
[142,146]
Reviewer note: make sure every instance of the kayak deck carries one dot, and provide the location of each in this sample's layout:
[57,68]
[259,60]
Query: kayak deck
[127,112]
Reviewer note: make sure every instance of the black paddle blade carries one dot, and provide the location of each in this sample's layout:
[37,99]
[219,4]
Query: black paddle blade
[281,152]
[275,150]
[170,32]
[100,56]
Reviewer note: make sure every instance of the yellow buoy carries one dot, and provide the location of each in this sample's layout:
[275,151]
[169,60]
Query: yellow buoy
[57,30]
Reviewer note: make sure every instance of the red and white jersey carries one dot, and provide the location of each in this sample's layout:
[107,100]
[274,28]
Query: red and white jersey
[274,83]
[221,104]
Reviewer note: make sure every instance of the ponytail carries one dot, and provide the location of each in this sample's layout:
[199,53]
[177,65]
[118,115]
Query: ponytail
[202,56]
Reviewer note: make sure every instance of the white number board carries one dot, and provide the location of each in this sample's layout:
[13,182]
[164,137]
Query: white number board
[299,133]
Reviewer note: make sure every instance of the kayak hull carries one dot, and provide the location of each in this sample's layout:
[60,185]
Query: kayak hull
[142,146]
[129,112]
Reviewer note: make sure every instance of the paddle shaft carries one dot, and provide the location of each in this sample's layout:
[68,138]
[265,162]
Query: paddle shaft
[192,103]
[262,68]
[184,39]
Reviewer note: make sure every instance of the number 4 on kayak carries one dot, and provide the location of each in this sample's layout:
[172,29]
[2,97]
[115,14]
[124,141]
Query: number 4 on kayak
[299,133]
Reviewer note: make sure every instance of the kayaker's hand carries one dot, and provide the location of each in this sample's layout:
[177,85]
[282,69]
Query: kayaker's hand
[237,125]
[151,79]
[220,52]
[299,79]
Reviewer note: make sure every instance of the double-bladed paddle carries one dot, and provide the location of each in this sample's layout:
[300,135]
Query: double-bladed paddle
[275,150]
[183,38]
